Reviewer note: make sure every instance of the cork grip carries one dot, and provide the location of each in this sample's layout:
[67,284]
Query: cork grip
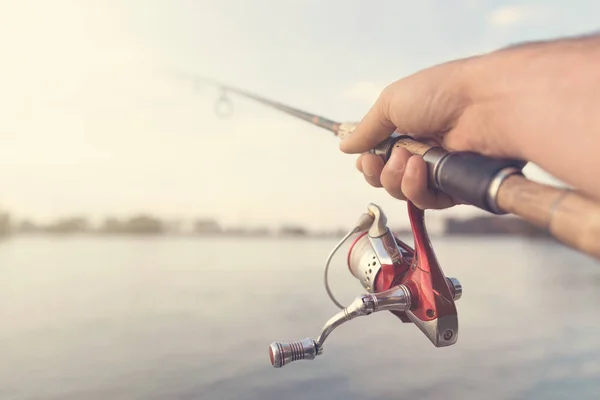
[413,146]
[571,217]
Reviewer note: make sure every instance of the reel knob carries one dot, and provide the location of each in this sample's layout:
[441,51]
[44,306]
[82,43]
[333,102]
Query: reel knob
[284,353]
[455,287]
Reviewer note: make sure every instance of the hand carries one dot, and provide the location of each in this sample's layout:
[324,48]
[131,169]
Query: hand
[502,104]
[429,106]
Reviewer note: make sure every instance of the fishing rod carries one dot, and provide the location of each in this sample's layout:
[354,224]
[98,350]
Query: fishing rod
[494,185]
[408,281]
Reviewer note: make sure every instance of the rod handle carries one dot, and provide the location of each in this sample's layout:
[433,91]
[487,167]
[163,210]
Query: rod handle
[467,176]
[569,216]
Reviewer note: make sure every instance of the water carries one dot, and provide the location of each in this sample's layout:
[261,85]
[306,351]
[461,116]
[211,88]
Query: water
[98,319]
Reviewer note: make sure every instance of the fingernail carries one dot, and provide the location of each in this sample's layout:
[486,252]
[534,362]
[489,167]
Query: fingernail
[396,163]
[368,169]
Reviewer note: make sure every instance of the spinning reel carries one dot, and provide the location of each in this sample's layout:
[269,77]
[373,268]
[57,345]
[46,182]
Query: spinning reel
[407,282]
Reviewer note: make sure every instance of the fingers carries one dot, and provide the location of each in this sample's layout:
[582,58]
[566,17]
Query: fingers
[424,105]
[393,173]
[415,187]
[371,167]
[374,127]
[404,177]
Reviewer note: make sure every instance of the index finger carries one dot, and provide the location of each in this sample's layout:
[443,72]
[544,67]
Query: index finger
[424,104]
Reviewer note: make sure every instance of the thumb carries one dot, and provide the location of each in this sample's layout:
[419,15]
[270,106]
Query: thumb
[424,105]
[375,127]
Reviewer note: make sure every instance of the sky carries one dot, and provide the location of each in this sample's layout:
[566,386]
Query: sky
[98,115]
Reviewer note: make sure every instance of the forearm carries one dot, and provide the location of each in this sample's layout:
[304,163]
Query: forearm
[555,90]
[571,149]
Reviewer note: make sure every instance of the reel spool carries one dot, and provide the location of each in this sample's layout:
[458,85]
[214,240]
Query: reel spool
[408,282]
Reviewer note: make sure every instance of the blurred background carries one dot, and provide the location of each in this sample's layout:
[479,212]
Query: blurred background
[152,250]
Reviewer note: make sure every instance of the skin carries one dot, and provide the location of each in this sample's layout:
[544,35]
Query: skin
[537,101]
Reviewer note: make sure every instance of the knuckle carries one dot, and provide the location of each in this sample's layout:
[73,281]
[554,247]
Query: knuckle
[386,98]
[473,130]
[388,91]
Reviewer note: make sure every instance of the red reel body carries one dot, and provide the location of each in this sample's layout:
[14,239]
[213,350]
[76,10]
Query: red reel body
[432,294]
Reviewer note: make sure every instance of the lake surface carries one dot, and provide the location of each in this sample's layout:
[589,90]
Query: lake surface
[172,318]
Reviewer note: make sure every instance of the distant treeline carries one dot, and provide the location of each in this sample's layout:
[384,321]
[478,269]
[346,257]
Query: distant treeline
[143,224]
[152,225]
[493,225]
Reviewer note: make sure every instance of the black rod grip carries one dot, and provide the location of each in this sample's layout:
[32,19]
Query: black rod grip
[467,176]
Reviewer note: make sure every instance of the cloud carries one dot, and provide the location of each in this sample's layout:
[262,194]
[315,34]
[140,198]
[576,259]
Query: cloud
[515,14]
